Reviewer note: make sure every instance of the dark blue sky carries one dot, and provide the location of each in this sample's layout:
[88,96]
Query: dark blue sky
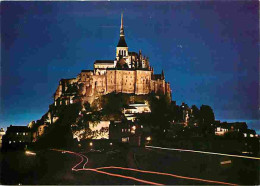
[208,50]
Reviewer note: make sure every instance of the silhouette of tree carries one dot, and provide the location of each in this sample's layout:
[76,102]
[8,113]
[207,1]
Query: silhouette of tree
[207,120]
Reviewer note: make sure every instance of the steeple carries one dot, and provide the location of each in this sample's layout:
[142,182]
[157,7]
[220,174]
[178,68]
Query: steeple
[122,42]
[122,27]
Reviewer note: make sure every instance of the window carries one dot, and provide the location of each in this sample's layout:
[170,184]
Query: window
[122,130]
[24,133]
[124,140]
[10,142]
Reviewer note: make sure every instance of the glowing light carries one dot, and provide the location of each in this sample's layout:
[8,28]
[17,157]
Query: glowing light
[202,152]
[91,144]
[148,138]
[225,162]
[134,127]
[110,144]
[30,153]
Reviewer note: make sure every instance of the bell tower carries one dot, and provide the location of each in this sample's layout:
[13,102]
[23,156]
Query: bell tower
[121,49]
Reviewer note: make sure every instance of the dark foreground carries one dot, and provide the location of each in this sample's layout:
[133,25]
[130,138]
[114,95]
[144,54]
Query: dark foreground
[55,167]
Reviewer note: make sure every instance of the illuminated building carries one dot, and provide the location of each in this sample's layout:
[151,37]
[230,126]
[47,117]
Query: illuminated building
[126,132]
[129,72]
[17,137]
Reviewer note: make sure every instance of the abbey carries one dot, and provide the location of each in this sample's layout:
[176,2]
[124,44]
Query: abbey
[130,73]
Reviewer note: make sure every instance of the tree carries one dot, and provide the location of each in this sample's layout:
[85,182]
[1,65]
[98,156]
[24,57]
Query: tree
[113,103]
[206,114]
[207,120]
[195,112]
[90,115]
[160,116]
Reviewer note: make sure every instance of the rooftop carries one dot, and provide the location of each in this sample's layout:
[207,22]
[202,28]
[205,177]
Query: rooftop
[121,42]
[104,61]
[156,76]
[17,129]
[86,70]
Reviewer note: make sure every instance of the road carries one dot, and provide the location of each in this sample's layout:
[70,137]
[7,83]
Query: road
[133,166]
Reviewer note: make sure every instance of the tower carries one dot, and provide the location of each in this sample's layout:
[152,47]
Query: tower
[121,49]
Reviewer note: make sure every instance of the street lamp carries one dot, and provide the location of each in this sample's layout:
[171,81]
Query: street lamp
[133,129]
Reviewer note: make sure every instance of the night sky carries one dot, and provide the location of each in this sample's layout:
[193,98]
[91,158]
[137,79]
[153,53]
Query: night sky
[208,50]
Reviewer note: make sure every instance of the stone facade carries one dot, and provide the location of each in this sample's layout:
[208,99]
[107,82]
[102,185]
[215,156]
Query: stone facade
[130,73]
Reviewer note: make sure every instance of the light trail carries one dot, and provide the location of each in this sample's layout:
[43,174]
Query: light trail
[168,174]
[122,176]
[203,152]
[102,172]
[74,168]
[77,154]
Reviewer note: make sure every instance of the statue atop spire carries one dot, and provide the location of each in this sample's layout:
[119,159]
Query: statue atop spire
[122,26]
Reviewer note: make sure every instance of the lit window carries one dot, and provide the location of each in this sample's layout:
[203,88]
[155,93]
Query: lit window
[10,142]
[24,133]
[14,141]
[124,140]
[17,133]
[122,130]
[20,141]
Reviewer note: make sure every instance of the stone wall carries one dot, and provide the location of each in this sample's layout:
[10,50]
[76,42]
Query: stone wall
[91,85]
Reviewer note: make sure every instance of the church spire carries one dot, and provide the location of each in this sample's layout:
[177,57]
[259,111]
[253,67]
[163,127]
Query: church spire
[163,75]
[122,42]
[122,27]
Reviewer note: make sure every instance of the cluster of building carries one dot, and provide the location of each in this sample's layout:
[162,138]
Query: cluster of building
[128,131]
[121,131]
[222,128]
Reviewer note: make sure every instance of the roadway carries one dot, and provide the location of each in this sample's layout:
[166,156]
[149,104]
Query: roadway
[157,167]
[133,166]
